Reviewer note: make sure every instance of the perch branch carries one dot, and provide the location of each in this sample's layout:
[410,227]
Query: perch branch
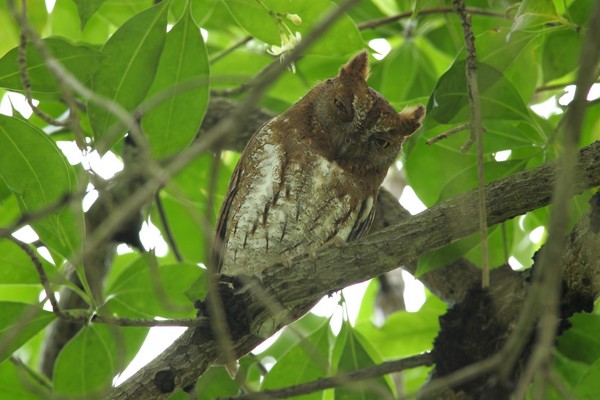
[295,286]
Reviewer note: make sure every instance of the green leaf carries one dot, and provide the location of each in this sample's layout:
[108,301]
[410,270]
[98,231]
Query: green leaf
[304,362]
[144,291]
[88,363]
[16,384]
[87,8]
[587,388]
[580,342]
[17,267]
[404,333]
[534,13]
[173,124]
[81,61]
[130,59]
[499,98]
[355,356]
[407,73]
[39,176]
[342,38]
[562,50]
[18,323]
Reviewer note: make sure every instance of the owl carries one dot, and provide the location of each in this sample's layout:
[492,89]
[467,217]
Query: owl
[311,175]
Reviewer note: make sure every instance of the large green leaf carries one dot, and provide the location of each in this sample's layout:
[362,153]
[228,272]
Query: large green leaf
[534,13]
[342,38]
[580,342]
[172,125]
[87,8]
[562,50]
[17,268]
[499,99]
[19,322]
[81,61]
[304,362]
[403,333]
[356,355]
[143,291]
[88,363]
[587,388]
[15,384]
[39,176]
[130,59]
[408,72]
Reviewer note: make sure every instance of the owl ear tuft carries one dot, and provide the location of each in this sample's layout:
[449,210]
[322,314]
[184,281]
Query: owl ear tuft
[357,67]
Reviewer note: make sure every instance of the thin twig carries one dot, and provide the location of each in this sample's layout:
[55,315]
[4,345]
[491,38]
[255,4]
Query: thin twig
[33,216]
[335,381]
[476,131]
[429,11]
[122,321]
[218,55]
[73,119]
[22,64]
[42,275]
[449,133]
[165,223]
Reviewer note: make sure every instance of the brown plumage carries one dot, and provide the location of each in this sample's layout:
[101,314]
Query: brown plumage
[311,175]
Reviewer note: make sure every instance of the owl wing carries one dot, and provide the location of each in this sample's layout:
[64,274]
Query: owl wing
[219,243]
[364,220]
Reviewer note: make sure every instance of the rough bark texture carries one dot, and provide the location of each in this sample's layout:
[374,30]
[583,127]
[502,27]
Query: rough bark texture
[307,278]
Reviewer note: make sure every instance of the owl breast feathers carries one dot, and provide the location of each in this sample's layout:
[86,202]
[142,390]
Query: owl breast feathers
[312,174]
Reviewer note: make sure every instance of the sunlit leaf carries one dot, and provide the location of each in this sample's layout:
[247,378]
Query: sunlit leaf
[39,176]
[146,291]
[304,362]
[81,61]
[183,66]
[129,63]
[499,98]
[19,322]
[355,356]
[342,38]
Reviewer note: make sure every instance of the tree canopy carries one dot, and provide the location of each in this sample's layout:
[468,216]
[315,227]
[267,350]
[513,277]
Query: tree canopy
[168,93]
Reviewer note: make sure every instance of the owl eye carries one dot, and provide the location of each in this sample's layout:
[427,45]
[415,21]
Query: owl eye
[384,144]
[340,106]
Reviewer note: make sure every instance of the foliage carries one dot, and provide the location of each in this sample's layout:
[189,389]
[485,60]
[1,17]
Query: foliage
[145,62]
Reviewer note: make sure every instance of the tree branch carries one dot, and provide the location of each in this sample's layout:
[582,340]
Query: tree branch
[302,283]
[339,380]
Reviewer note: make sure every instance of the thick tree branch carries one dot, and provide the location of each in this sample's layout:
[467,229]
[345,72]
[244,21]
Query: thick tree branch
[303,282]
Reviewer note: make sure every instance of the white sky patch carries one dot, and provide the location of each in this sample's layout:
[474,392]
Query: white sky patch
[158,339]
[414,292]
[26,234]
[411,201]
[514,263]
[537,234]
[381,46]
[502,155]
[547,108]
[152,239]
[565,99]
[204,34]
[50,5]
[18,102]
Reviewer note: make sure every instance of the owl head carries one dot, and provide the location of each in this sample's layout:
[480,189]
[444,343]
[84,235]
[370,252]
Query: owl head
[361,126]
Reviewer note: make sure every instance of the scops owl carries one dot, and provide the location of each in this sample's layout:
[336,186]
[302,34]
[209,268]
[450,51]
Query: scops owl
[311,175]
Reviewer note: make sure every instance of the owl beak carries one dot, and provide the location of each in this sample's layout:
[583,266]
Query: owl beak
[343,149]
